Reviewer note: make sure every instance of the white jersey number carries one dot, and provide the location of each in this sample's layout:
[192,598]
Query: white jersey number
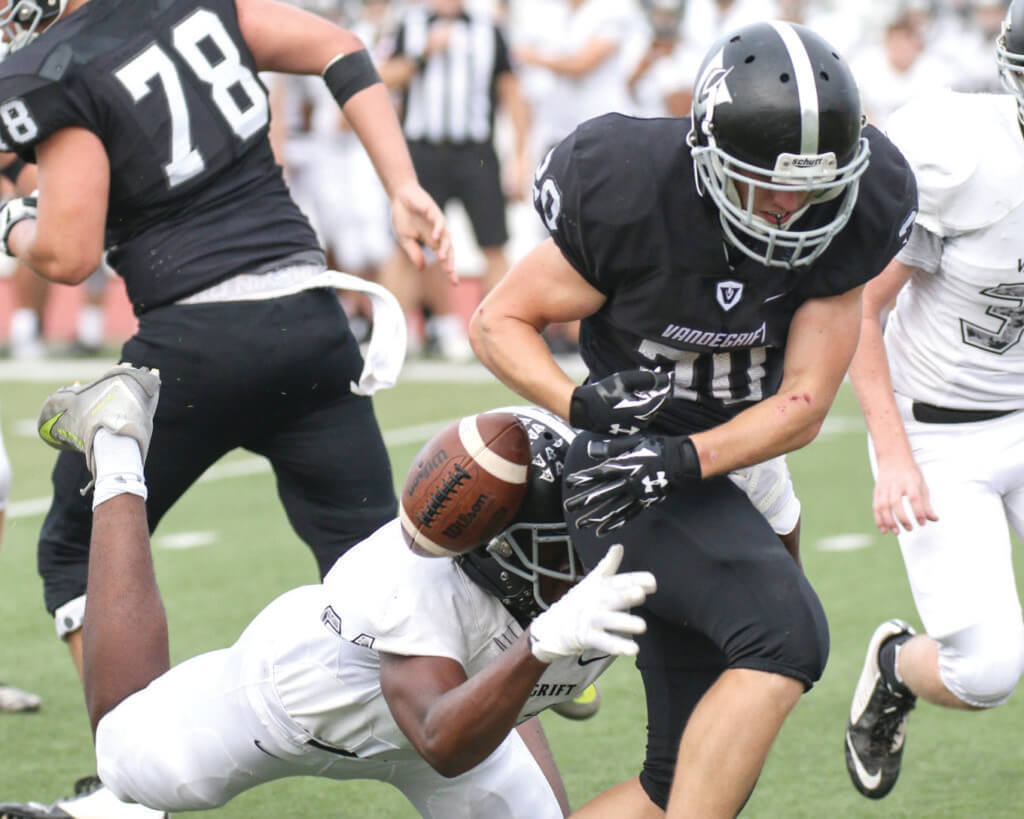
[225,75]
[721,385]
[1010,316]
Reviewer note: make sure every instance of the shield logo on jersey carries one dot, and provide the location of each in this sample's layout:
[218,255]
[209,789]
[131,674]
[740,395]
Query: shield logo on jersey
[729,294]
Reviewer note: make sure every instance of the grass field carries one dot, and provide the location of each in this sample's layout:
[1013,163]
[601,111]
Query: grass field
[226,549]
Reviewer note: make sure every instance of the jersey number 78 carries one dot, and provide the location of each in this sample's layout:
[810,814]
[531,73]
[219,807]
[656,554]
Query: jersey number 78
[222,76]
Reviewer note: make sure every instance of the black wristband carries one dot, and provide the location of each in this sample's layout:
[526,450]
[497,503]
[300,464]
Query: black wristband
[348,74]
[681,459]
[13,168]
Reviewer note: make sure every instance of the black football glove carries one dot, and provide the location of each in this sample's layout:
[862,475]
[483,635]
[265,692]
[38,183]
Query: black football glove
[14,211]
[623,403]
[634,473]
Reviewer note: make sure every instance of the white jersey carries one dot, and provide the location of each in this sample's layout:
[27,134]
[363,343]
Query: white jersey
[954,336]
[380,597]
[299,695]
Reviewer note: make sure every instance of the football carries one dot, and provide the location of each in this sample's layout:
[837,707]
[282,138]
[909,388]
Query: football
[465,485]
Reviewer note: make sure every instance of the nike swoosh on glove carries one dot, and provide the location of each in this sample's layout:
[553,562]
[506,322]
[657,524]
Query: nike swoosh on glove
[623,403]
[633,473]
[592,615]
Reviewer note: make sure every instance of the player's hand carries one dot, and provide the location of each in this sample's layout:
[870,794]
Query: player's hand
[623,403]
[14,211]
[631,474]
[592,614]
[417,220]
[898,479]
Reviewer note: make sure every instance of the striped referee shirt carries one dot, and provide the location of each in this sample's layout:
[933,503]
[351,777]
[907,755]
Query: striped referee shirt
[451,98]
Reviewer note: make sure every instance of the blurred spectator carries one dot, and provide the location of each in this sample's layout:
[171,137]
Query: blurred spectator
[965,39]
[575,69]
[453,69]
[661,79]
[896,71]
[707,20]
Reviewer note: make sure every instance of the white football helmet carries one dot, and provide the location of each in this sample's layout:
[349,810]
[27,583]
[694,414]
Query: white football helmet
[1010,54]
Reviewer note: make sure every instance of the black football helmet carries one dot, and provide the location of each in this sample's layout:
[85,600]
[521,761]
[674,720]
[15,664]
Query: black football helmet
[22,20]
[775,107]
[1010,54]
[536,544]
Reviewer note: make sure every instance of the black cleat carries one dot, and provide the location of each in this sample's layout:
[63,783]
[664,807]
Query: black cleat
[878,720]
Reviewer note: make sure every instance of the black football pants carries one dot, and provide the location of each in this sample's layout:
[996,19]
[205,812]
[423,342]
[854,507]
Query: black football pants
[729,596]
[268,376]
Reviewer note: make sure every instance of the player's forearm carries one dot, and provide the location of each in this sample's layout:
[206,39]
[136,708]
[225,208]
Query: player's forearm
[872,383]
[465,725]
[47,258]
[781,423]
[517,354]
[374,120]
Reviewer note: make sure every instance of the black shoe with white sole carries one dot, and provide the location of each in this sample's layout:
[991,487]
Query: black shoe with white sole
[878,719]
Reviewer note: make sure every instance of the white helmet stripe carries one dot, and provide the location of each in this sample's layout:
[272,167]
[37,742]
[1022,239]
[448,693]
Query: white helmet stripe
[806,87]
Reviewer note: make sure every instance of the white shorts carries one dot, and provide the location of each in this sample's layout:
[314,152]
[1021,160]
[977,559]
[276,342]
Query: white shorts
[960,567]
[212,727]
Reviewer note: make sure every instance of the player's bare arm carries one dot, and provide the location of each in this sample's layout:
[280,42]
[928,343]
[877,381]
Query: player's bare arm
[540,289]
[292,41]
[64,243]
[898,474]
[21,174]
[455,722]
[578,64]
[821,342]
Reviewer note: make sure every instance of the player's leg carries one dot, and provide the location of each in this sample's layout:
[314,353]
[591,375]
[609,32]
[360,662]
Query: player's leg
[479,188]
[724,572]
[110,421]
[30,297]
[961,575]
[189,358]
[323,442]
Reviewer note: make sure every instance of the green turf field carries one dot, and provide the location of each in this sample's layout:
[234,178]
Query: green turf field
[226,549]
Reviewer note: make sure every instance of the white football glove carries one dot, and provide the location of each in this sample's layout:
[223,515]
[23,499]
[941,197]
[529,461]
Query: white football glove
[592,613]
[14,211]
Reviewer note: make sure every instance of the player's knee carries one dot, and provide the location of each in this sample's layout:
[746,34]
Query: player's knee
[982,665]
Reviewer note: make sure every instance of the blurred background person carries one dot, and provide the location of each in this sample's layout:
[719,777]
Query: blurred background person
[664,65]
[452,68]
[575,68]
[898,69]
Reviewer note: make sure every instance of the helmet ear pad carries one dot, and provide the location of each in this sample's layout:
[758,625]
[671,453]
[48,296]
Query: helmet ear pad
[774,101]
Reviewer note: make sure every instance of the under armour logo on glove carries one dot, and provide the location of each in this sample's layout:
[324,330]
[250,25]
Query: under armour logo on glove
[633,474]
[622,404]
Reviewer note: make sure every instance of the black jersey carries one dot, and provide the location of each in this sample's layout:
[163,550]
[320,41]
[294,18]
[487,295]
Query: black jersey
[619,199]
[171,90]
